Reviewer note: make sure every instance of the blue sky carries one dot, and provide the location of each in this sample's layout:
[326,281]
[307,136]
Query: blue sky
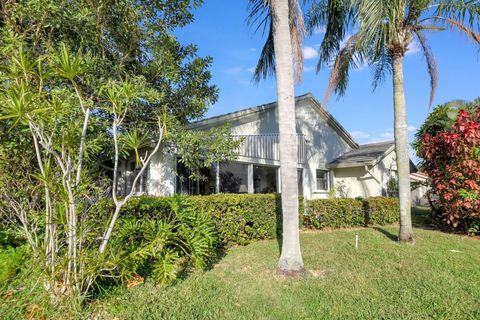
[220,31]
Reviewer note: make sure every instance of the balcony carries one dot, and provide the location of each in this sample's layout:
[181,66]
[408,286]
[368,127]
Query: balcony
[266,146]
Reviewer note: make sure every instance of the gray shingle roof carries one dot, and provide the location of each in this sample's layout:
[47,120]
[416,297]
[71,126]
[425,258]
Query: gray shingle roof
[365,154]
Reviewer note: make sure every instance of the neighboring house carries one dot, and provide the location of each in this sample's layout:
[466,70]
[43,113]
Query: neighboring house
[419,194]
[330,162]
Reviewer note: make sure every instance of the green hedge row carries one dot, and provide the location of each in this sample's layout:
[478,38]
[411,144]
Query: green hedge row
[382,210]
[342,213]
[238,218]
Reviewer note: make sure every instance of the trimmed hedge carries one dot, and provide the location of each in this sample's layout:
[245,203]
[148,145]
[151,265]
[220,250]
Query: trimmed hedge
[343,213]
[334,213]
[238,218]
[382,210]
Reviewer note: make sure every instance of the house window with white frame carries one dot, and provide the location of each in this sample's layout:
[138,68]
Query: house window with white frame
[322,178]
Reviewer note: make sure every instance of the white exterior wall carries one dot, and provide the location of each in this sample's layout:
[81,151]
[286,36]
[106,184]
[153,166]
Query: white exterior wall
[358,182]
[161,174]
[323,143]
[355,182]
[419,196]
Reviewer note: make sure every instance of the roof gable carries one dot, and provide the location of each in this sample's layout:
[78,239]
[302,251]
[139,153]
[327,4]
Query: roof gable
[330,120]
[366,154]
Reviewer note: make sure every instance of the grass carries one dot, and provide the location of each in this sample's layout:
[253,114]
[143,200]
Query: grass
[437,278]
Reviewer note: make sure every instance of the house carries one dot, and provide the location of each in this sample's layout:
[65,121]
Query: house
[330,161]
[420,187]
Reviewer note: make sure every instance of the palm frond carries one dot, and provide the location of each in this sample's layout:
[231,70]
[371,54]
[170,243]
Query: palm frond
[460,10]
[335,16]
[454,24]
[431,64]
[347,57]
[266,62]
[382,67]
[297,33]
[260,15]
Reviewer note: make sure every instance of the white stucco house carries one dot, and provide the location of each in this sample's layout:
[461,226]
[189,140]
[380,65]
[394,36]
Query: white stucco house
[330,161]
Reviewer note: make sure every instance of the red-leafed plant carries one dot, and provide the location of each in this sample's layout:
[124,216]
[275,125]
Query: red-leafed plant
[452,161]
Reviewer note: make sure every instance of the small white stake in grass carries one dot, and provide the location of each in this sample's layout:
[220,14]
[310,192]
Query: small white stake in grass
[356,241]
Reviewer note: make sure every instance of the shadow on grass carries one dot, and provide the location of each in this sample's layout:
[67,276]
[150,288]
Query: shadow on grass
[386,233]
[421,218]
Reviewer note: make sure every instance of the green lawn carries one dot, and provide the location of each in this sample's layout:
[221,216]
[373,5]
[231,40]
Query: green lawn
[438,278]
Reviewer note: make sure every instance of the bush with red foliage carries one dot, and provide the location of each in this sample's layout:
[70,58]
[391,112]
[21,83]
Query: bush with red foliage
[452,161]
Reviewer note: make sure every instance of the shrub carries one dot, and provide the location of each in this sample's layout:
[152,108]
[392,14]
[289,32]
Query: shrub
[179,237]
[452,161]
[11,261]
[342,213]
[159,236]
[238,218]
[382,210]
[334,213]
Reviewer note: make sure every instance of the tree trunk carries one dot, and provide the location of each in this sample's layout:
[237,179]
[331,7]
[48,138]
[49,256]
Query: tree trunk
[291,262]
[401,149]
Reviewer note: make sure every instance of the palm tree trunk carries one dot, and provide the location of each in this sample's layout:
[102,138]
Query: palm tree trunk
[291,262]
[401,149]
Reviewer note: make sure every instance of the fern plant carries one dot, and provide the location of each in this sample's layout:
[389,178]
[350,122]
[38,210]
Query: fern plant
[161,247]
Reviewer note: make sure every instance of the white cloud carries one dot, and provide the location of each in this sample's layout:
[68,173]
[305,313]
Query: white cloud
[233,70]
[253,49]
[359,135]
[376,140]
[309,68]
[387,134]
[251,69]
[413,48]
[309,53]
[319,30]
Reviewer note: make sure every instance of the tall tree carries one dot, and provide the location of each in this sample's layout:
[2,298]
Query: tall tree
[283,46]
[82,82]
[384,31]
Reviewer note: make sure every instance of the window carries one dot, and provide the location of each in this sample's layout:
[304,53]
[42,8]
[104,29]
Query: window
[132,171]
[322,180]
[186,184]
[233,177]
[264,179]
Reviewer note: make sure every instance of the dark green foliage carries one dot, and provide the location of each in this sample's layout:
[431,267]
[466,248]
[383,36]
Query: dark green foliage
[160,237]
[11,260]
[238,218]
[334,213]
[382,210]
[161,245]
[442,118]
[343,213]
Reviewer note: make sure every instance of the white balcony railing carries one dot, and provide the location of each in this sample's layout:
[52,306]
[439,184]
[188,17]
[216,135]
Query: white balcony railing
[266,146]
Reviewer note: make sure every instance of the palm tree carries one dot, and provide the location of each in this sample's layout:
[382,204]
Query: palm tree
[384,31]
[285,30]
